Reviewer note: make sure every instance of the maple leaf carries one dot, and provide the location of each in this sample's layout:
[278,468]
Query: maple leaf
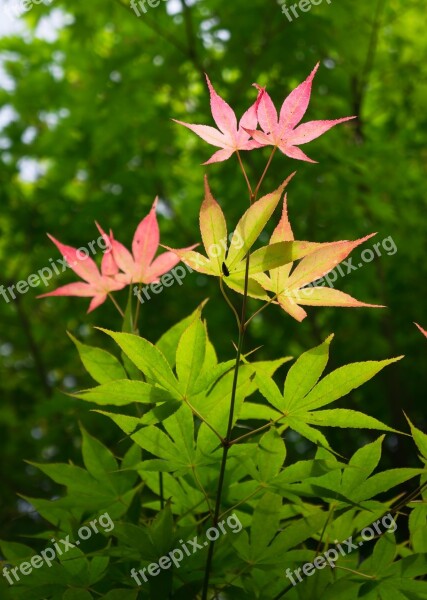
[230,135]
[225,254]
[141,266]
[97,285]
[423,331]
[290,288]
[109,266]
[281,130]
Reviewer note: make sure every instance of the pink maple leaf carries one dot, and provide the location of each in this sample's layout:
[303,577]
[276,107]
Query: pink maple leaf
[423,331]
[230,135]
[109,266]
[96,285]
[141,266]
[283,130]
[290,287]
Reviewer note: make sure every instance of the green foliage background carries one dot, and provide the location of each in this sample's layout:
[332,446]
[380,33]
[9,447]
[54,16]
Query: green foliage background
[93,108]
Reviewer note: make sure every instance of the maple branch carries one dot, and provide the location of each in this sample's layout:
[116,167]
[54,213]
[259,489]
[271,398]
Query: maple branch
[242,330]
[283,592]
[32,344]
[373,46]
[151,24]
[360,85]
[191,37]
[226,443]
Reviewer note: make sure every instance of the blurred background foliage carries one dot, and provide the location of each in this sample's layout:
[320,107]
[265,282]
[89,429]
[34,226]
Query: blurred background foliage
[87,93]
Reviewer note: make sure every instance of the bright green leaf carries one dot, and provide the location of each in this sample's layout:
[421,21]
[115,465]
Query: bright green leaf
[265,523]
[251,225]
[126,391]
[147,358]
[190,355]
[101,365]
[342,417]
[363,463]
[168,342]
[98,459]
[420,439]
[305,373]
[342,381]
[271,454]
[213,229]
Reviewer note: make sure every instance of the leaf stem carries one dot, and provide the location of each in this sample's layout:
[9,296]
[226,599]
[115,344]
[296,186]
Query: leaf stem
[202,489]
[197,414]
[265,171]
[230,304]
[137,309]
[254,493]
[162,493]
[255,431]
[261,309]
[251,193]
[355,572]
[114,301]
